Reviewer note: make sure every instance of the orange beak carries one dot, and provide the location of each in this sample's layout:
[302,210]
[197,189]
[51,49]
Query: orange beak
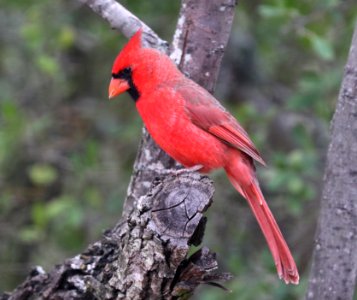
[117,86]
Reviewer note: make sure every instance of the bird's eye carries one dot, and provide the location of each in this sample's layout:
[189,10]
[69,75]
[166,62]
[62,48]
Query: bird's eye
[123,74]
[126,71]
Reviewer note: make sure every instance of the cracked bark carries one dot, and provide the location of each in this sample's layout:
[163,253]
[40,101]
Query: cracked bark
[334,268]
[145,255]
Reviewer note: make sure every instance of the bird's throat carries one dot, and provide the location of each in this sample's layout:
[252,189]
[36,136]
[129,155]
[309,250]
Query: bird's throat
[133,91]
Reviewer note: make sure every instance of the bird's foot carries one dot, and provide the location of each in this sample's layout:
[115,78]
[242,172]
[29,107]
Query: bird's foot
[188,170]
[177,172]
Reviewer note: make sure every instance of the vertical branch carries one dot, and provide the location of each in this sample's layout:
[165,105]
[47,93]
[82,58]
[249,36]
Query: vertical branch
[334,268]
[201,36]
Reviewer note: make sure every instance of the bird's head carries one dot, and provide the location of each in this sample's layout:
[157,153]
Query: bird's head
[123,68]
[138,70]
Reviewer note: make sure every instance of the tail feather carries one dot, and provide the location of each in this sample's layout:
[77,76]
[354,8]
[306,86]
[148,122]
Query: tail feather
[283,259]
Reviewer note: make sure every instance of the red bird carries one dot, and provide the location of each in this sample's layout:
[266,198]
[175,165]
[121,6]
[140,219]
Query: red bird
[190,125]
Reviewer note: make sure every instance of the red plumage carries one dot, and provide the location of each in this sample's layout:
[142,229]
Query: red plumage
[192,127]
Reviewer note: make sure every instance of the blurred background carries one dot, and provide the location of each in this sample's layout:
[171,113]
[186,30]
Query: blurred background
[66,152]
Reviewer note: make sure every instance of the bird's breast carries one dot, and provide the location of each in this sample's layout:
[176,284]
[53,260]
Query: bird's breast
[169,125]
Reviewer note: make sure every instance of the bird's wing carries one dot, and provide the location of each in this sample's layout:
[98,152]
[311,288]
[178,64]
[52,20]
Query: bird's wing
[208,114]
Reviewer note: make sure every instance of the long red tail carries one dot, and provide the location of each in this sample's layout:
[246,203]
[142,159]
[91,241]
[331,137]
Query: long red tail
[241,174]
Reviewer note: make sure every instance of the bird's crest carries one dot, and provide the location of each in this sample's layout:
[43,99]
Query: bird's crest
[129,52]
[134,42]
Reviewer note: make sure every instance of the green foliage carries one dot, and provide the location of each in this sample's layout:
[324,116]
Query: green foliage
[56,170]
[66,153]
[314,93]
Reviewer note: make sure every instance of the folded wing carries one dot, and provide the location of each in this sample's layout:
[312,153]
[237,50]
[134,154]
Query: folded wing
[207,113]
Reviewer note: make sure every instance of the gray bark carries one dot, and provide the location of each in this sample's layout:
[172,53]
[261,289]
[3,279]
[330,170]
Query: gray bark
[145,255]
[334,268]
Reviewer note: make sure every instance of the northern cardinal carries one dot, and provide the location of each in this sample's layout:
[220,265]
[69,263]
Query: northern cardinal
[190,125]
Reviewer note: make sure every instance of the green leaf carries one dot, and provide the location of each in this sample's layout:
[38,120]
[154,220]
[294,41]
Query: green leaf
[47,64]
[322,47]
[296,159]
[269,11]
[295,185]
[39,215]
[42,174]
[9,110]
[30,234]
[93,196]
[66,37]
[59,206]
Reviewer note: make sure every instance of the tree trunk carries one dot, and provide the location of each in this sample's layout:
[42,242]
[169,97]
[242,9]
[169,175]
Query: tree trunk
[334,268]
[145,255]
